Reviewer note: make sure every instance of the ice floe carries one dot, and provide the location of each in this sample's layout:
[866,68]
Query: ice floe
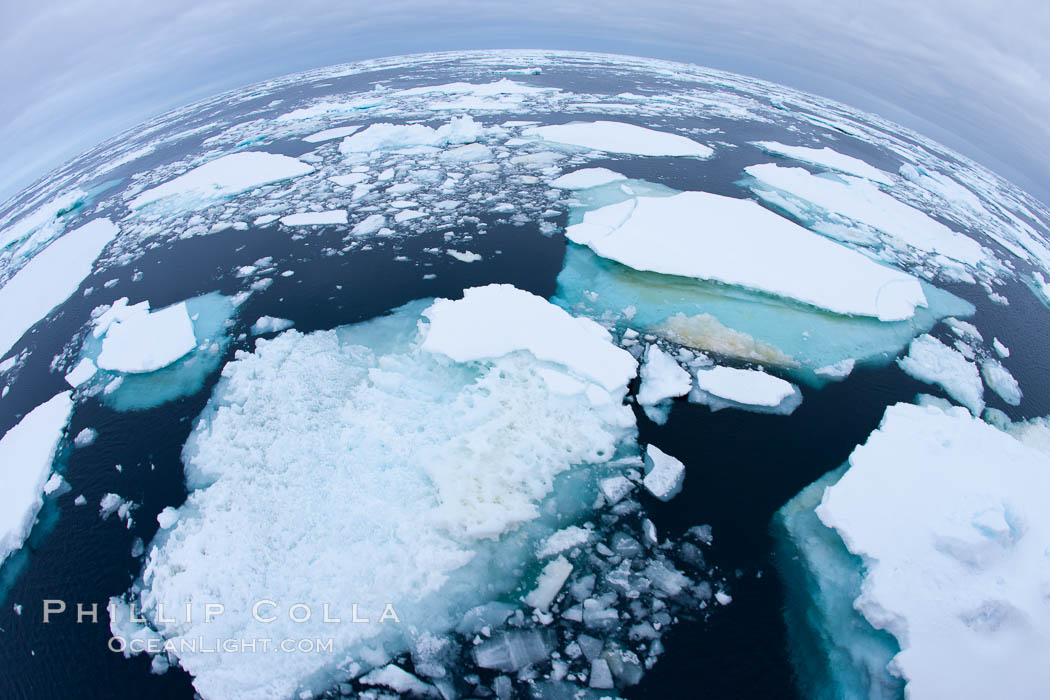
[333,133]
[958,575]
[620,137]
[220,179]
[141,341]
[270,324]
[27,454]
[49,278]
[662,379]
[585,178]
[999,380]
[829,158]
[664,475]
[731,387]
[315,218]
[931,361]
[737,242]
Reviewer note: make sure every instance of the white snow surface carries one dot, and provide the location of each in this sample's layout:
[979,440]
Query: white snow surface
[221,178]
[863,202]
[959,574]
[585,178]
[738,242]
[383,469]
[750,387]
[333,133]
[662,378]
[828,158]
[459,130]
[315,218]
[620,137]
[665,475]
[145,342]
[27,452]
[931,361]
[499,319]
[999,380]
[270,324]
[49,278]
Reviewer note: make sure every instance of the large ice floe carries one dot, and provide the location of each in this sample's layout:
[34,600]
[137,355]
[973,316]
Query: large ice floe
[49,278]
[931,361]
[947,596]
[27,455]
[135,358]
[412,466]
[752,389]
[620,137]
[827,158]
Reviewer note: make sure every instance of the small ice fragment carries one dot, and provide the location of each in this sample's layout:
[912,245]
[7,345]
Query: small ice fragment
[550,582]
[85,437]
[270,324]
[665,473]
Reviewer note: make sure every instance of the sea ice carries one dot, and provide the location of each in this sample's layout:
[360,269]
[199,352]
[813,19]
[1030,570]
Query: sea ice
[464,255]
[665,473]
[738,242]
[333,133]
[315,218]
[220,179]
[959,574]
[827,158]
[585,178]
[999,380]
[271,324]
[549,583]
[460,130]
[724,387]
[147,341]
[662,379]
[49,278]
[27,452]
[931,361]
[620,137]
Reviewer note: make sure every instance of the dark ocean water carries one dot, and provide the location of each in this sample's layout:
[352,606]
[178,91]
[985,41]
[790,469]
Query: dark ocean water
[741,466]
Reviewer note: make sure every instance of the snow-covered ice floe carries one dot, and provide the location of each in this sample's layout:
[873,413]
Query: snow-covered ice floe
[49,278]
[620,137]
[829,158]
[749,389]
[417,463]
[946,597]
[731,320]
[931,361]
[135,358]
[27,455]
[662,379]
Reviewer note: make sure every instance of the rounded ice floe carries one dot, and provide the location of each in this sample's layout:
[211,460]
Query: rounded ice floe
[221,178]
[931,361]
[747,387]
[270,324]
[959,573]
[494,321]
[738,242]
[620,137]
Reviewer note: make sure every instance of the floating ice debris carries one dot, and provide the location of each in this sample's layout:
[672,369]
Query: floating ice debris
[55,485]
[80,500]
[585,178]
[965,330]
[399,680]
[271,324]
[737,242]
[514,650]
[377,137]
[662,379]
[112,503]
[333,133]
[167,518]
[369,225]
[827,158]
[563,540]
[826,199]
[999,380]
[27,452]
[620,137]
[728,387]
[42,224]
[464,256]
[516,320]
[470,153]
[549,584]
[665,473]
[839,370]
[85,437]
[959,574]
[315,218]
[931,361]
[84,371]
[220,179]
[147,341]
[49,278]
[1000,349]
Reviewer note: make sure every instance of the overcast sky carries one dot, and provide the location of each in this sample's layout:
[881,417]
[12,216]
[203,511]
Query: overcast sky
[974,74]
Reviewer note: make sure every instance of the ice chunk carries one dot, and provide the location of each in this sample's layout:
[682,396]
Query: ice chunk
[999,380]
[662,378]
[562,540]
[738,242]
[863,202]
[271,324]
[1000,349]
[167,518]
[315,218]
[376,137]
[464,256]
[746,387]
[84,371]
[146,342]
[838,370]
[585,178]
[27,452]
[827,158]
[931,361]
[333,133]
[514,650]
[620,137]
[399,680]
[49,278]
[220,179]
[369,225]
[601,677]
[615,488]
[549,583]
[85,437]
[959,574]
[516,320]
[665,473]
